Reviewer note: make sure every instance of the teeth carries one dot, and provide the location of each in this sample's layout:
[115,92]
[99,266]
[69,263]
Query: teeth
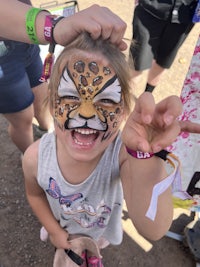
[81,144]
[85,131]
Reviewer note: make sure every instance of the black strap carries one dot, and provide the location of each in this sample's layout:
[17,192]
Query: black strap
[74,257]
[162,154]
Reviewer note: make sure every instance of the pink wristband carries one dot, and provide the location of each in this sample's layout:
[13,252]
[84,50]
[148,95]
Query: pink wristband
[139,154]
[48,28]
[50,23]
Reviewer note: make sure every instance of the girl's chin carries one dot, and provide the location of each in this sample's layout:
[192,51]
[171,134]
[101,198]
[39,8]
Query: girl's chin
[82,156]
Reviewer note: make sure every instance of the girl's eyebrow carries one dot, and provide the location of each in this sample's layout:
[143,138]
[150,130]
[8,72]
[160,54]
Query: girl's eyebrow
[108,83]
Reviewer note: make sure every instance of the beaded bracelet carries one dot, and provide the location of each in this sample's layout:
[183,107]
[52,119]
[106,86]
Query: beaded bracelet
[30,23]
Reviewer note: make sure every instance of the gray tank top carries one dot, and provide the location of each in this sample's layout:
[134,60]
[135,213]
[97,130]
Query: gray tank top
[92,208]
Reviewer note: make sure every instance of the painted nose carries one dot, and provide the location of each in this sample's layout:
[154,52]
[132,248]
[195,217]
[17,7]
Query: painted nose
[87,110]
[86,118]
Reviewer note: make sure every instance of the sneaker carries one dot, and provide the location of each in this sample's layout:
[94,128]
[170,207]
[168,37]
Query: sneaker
[43,234]
[192,238]
[94,262]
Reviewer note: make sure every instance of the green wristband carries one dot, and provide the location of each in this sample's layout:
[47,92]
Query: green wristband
[30,24]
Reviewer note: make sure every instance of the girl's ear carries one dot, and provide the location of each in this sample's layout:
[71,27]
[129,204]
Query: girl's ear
[50,102]
[51,109]
[125,115]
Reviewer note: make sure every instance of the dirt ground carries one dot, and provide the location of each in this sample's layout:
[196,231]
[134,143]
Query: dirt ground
[20,245]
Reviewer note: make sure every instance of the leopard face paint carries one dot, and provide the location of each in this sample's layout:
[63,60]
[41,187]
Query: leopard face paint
[89,96]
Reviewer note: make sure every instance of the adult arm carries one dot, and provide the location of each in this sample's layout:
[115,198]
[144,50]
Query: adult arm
[98,21]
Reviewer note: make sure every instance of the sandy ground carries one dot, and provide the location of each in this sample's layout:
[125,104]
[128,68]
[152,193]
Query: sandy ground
[19,229]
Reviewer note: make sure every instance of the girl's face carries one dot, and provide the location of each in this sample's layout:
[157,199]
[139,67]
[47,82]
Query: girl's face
[89,105]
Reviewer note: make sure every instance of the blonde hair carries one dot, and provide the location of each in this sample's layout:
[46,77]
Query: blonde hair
[115,57]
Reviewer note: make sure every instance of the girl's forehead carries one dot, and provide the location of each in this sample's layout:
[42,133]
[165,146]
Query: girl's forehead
[89,69]
[82,60]
[89,75]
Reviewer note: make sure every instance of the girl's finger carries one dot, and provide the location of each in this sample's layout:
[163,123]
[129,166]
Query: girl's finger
[168,110]
[145,107]
[165,138]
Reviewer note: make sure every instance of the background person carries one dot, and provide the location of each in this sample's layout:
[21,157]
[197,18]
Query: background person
[159,29]
[22,95]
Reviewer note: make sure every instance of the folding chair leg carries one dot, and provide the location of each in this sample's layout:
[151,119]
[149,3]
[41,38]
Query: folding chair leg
[174,236]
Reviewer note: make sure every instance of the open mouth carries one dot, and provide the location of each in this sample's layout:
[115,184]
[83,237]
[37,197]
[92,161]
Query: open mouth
[84,137]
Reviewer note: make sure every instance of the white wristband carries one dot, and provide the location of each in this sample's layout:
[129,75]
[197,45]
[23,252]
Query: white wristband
[173,166]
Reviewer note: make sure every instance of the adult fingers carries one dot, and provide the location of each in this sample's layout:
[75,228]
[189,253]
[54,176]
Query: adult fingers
[191,127]
[112,26]
[114,29]
[97,21]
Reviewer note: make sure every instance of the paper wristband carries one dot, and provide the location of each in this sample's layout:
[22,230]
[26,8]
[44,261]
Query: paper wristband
[159,188]
[30,24]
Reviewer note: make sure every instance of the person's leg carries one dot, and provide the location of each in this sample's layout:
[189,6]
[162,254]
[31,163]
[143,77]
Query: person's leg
[136,77]
[146,33]
[154,76]
[16,96]
[156,39]
[39,89]
[20,128]
[41,106]
[171,40]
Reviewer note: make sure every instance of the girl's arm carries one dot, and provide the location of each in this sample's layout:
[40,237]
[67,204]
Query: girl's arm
[38,201]
[149,128]
[139,176]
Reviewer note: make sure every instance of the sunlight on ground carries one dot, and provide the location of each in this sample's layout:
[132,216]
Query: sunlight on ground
[179,211]
[133,234]
[130,230]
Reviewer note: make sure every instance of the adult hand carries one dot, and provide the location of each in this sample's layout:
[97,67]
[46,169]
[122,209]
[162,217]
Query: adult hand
[96,20]
[152,127]
[188,126]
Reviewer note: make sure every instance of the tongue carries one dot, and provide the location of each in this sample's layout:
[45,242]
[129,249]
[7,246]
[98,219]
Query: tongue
[84,138]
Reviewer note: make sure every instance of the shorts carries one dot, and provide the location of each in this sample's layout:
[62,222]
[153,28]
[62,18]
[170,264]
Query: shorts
[155,39]
[20,70]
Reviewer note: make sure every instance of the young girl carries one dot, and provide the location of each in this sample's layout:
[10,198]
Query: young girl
[77,177]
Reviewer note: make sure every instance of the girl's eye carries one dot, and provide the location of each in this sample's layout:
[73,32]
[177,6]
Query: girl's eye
[107,101]
[70,97]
